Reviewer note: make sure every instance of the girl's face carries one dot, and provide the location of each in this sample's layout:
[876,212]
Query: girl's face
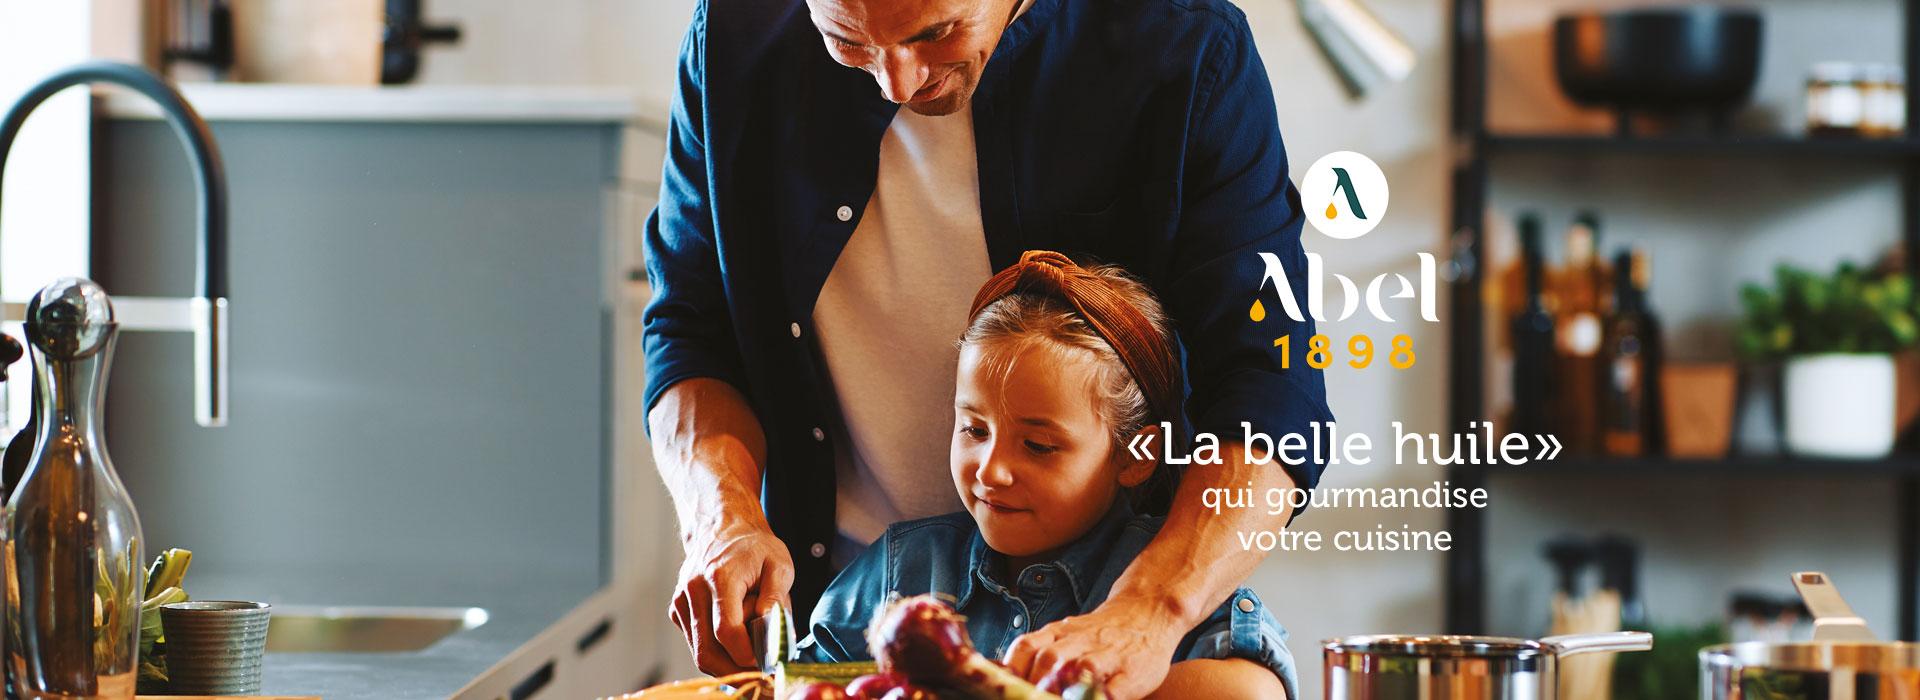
[1032,457]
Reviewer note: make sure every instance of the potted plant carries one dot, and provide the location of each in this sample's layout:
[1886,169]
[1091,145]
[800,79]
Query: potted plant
[1836,336]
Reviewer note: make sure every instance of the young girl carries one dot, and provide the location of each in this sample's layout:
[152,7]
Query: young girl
[1060,366]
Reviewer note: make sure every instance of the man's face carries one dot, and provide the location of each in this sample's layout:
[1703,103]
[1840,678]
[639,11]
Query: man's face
[926,54]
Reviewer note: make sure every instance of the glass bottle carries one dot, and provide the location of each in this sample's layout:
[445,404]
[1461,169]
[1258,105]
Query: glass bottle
[1630,370]
[72,539]
[1580,290]
[1532,331]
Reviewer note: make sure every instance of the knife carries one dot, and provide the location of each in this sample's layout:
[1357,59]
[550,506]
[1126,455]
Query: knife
[772,636]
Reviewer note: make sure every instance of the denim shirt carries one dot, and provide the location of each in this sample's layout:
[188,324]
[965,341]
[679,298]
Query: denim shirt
[1142,133]
[946,555]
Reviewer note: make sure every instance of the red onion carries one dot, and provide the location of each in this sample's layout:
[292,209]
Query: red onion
[875,686]
[1073,679]
[926,641]
[910,692]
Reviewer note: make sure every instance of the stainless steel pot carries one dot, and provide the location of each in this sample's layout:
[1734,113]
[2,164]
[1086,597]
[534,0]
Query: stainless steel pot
[1843,662]
[1446,667]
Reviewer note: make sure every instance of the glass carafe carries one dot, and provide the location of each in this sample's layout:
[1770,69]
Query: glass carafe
[72,540]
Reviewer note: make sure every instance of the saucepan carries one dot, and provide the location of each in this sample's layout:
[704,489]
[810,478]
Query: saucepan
[1843,662]
[1453,667]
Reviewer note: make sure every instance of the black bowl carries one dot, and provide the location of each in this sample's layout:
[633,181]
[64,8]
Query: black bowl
[1700,57]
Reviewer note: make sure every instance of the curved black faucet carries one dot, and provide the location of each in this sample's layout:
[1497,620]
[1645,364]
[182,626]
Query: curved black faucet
[207,311]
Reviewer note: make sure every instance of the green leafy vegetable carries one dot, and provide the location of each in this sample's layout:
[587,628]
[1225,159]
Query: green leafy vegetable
[165,579]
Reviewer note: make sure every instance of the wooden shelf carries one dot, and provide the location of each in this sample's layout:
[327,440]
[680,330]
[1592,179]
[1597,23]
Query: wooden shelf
[1751,145]
[1731,466]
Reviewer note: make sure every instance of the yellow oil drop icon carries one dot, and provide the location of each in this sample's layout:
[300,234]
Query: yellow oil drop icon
[1258,313]
[1332,212]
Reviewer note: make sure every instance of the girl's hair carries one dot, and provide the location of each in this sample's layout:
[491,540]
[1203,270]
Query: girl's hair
[1051,306]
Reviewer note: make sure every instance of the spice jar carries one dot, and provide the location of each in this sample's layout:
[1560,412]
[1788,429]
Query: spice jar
[1884,101]
[1836,104]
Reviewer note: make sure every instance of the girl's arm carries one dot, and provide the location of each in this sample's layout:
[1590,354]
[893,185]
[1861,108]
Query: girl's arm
[1219,678]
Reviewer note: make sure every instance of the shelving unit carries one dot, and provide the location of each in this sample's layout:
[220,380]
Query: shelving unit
[1475,147]
[1891,150]
[1754,466]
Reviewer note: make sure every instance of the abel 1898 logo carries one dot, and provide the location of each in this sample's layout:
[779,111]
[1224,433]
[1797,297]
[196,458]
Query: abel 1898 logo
[1352,190]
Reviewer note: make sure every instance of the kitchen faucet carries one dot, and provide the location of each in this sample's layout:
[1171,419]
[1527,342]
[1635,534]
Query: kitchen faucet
[205,314]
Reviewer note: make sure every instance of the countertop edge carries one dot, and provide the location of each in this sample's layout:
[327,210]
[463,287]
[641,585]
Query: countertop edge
[413,103]
[585,650]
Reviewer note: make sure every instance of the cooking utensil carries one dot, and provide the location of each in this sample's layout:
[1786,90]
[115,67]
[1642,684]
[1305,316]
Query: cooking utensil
[1362,49]
[1619,560]
[1833,619]
[1450,667]
[1699,57]
[1843,662]
[772,634]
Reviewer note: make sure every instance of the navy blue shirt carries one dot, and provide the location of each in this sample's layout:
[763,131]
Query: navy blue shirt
[947,556]
[1136,132]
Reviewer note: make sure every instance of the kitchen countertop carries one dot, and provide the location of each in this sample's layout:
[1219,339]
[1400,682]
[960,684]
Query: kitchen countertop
[520,603]
[406,103]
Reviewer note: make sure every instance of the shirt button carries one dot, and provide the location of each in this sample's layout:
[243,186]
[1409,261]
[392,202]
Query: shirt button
[817,550]
[819,435]
[794,329]
[1246,605]
[844,213]
[1017,620]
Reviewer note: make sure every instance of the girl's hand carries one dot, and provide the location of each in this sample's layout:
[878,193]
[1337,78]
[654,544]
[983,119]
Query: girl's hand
[1127,645]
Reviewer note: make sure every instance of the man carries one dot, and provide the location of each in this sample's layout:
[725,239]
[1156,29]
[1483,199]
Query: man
[816,246]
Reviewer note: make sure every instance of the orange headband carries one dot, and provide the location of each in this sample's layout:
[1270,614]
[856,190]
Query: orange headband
[1135,339]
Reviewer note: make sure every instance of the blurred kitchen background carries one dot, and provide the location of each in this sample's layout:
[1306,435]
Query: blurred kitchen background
[435,298]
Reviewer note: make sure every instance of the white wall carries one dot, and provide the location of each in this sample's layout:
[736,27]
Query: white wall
[43,228]
[1319,595]
[630,43]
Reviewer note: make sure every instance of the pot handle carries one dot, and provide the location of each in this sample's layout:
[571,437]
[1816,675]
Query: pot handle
[1833,619]
[1570,644]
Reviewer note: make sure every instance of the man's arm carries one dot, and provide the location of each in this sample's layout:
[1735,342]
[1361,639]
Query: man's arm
[1193,564]
[707,442]
[709,449]
[1237,202]
[1196,560]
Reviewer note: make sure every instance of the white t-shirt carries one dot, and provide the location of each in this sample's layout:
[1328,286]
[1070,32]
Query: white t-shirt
[888,317]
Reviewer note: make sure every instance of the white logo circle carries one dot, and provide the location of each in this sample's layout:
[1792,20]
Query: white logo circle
[1344,194]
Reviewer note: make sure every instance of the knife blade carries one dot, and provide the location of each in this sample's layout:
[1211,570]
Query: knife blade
[772,637]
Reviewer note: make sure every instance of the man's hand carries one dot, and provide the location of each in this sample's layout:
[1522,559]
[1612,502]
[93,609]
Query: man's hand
[709,448]
[1179,579]
[728,580]
[1127,644]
